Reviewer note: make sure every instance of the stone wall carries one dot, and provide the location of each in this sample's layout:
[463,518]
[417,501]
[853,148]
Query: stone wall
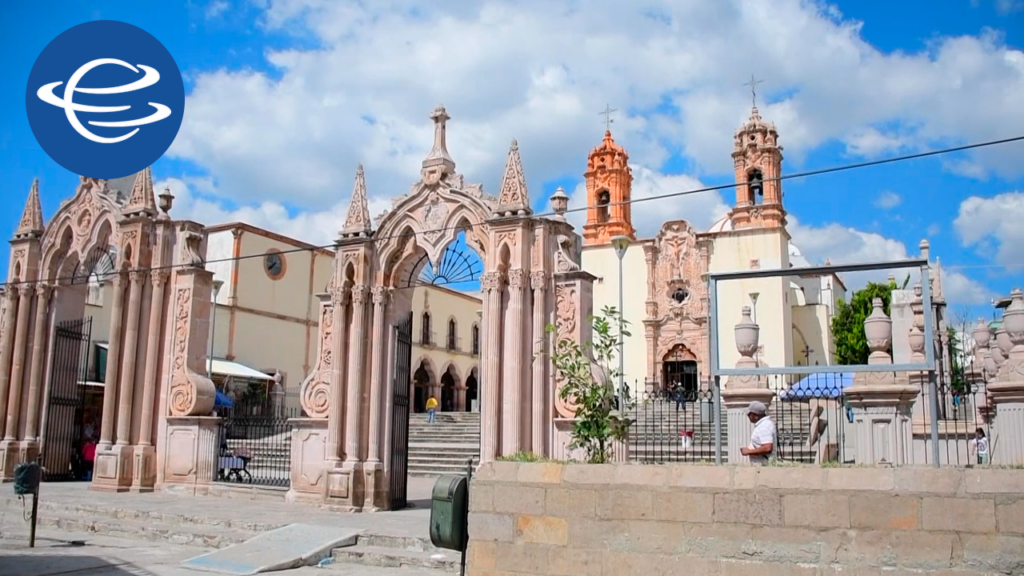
[617,520]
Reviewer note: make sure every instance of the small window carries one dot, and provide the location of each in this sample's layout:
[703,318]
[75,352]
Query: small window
[476,340]
[452,339]
[425,333]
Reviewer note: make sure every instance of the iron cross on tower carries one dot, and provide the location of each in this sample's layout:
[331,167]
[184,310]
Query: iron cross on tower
[753,89]
[607,113]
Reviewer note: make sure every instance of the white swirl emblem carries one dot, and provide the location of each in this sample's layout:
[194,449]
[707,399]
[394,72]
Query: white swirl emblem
[70,107]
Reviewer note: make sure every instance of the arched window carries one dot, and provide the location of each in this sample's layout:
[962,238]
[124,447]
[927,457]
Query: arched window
[476,340]
[603,200]
[425,334]
[755,181]
[452,340]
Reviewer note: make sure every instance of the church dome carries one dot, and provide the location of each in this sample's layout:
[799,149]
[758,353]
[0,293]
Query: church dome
[724,224]
[796,257]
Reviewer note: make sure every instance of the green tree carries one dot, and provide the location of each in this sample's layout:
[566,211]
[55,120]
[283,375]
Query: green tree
[587,376]
[956,356]
[848,322]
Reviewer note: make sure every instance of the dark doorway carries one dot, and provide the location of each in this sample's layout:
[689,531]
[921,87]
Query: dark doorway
[447,392]
[682,372]
[399,464]
[61,455]
[421,384]
[471,391]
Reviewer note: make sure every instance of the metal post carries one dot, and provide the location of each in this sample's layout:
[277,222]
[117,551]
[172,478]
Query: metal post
[929,353]
[213,328]
[469,478]
[622,358]
[718,419]
[35,512]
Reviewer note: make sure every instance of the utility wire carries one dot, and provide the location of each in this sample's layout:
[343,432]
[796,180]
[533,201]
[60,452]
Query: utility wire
[375,239]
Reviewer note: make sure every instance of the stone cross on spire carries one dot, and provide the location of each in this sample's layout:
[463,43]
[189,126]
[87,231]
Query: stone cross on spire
[358,221]
[753,90]
[32,218]
[513,197]
[142,200]
[439,152]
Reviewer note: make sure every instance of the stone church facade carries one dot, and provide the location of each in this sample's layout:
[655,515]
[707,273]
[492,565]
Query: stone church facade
[666,301]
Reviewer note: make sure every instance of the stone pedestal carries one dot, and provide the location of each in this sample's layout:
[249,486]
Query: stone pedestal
[112,470]
[882,415]
[10,456]
[309,460]
[143,469]
[345,488]
[193,446]
[736,402]
[375,487]
[1007,440]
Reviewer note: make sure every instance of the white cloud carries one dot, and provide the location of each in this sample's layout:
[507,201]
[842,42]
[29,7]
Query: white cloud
[993,227]
[888,200]
[216,8]
[540,71]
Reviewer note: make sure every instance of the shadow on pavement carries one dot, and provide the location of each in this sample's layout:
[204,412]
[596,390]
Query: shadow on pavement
[52,557]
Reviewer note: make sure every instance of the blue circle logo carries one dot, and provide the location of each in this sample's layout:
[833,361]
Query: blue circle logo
[105,99]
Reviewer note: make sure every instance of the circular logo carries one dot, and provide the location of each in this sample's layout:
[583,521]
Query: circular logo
[105,99]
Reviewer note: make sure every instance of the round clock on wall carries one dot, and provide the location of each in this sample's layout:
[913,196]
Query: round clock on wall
[273,265]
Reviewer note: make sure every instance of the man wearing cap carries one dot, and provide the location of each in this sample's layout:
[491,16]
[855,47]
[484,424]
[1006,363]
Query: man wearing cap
[762,440]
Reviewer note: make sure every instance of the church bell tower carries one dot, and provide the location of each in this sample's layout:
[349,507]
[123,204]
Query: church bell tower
[757,158]
[609,187]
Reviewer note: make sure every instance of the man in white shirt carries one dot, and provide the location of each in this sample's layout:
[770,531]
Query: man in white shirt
[762,441]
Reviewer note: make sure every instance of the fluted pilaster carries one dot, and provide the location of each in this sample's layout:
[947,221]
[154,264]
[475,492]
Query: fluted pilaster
[38,353]
[335,414]
[381,296]
[512,380]
[128,360]
[113,362]
[7,348]
[490,381]
[356,375]
[538,397]
[18,365]
[156,312]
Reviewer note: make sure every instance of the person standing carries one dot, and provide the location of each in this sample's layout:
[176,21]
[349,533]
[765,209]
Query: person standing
[431,409]
[762,440]
[979,446]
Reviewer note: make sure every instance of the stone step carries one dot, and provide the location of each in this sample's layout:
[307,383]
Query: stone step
[443,562]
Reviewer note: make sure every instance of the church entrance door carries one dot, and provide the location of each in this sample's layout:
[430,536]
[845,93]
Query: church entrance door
[399,453]
[682,372]
[65,409]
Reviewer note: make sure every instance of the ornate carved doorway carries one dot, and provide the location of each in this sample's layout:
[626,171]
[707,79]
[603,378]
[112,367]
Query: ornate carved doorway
[63,433]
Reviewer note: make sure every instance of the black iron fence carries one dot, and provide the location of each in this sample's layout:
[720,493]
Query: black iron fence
[254,444]
[671,425]
[960,405]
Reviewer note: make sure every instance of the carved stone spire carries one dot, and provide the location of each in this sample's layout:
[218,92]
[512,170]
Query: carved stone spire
[31,224]
[514,198]
[358,221]
[142,201]
[439,152]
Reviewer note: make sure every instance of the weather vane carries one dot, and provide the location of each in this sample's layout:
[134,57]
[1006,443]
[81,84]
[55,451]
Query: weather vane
[753,89]
[607,113]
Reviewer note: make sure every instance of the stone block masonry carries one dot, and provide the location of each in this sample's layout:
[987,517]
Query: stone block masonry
[617,520]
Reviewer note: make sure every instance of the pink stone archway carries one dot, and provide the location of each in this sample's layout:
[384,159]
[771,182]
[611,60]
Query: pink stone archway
[521,256]
[150,305]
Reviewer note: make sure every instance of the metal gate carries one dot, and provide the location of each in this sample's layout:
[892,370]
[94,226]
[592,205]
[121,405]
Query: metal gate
[399,470]
[65,418]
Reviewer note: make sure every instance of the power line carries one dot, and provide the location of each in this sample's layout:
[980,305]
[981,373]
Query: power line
[462,227]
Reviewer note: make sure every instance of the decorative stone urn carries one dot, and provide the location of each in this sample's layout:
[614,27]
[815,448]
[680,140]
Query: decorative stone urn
[1003,337]
[1007,392]
[995,352]
[916,339]
[748,335]
[981,335]
[878,330]
[1013,322]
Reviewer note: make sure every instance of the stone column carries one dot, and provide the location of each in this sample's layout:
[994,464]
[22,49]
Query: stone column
[1007,391]
[356,375]
[574,307]
[739,391]
[460,399]
[113,362]
[128,360]
[31,444]
[7,347]
[18,366]
[539,400]
[374,472]
[335,414]
[489,387]
[512,367]
[144,476]
[883,402]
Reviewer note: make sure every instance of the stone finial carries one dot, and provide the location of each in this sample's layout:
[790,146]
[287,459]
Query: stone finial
[924,246]
[995,351]
[514,197]
[917,307]
[166,202]
[878,330]
[981,335]
[1013,321]
[439,152]
[559,203]
[142,200]
[31,224]
[936,278]
[1003,340]
[358,221]
[747,335]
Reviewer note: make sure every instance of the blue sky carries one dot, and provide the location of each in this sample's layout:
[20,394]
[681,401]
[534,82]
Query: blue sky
[287,96]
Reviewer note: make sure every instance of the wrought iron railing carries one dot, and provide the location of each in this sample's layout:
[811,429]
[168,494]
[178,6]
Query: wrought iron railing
[254,445]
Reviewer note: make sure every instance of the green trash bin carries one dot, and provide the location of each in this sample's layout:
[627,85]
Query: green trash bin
[449,513]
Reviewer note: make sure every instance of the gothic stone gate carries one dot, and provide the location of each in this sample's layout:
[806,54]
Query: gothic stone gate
[61,455]
[399,458]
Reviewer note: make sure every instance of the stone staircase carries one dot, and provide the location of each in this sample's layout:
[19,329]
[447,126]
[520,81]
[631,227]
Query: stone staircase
[445,446]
